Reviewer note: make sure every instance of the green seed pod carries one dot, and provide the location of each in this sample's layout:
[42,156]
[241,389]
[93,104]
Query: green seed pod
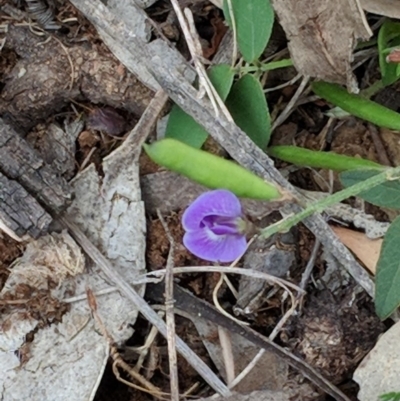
[209,170]
[358,106]
[317,159]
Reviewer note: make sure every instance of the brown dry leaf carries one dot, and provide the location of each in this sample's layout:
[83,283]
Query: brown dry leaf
[366,249]
[322,35]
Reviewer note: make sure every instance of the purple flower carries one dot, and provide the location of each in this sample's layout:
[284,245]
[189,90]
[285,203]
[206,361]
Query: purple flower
[215,228]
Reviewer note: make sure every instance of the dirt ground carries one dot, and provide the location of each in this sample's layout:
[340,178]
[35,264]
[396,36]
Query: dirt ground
[331,333]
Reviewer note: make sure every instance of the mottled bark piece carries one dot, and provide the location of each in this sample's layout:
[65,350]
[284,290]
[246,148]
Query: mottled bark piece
[20,211]
[322,35]
[18,161]
[41,81]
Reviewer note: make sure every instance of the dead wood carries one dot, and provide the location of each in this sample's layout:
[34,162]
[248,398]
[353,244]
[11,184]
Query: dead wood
[18,161]
[20,211]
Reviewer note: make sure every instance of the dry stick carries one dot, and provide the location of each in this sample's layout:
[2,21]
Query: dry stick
[379,146]
[227,353]
[310,265]
[170,316]
[116,357]
[143,350]
[289,107]
[228,135]
[231,270]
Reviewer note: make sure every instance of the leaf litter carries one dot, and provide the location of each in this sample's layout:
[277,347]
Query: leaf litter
[105,207]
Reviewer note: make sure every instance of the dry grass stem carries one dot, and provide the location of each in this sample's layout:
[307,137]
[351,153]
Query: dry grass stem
[231,270]
[189,31]
[290,106]
[169,312]
[227,353]
[144,349]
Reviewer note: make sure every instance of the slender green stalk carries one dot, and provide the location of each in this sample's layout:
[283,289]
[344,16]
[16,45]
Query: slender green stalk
[273,65]
[317,207]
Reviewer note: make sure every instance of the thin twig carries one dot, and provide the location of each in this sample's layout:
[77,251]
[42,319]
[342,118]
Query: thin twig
[380,148]
[289,107]
[144,349]
[310,265]
[169,311]
[288,83]
[231,270]
[218,305]
[227,353]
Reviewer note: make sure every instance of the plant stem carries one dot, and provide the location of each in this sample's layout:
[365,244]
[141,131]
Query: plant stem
[273,65]
[317,207]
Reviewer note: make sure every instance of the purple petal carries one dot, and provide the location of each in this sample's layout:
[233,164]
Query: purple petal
[219,202]
[215,248]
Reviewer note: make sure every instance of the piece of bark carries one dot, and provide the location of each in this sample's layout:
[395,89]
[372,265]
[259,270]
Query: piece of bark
[18,161]
[20,211]
[322,35]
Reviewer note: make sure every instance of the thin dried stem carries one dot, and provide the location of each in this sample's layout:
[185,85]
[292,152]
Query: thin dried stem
[290,106]
[189,31]
[170,316]
[231,270]
[227,353]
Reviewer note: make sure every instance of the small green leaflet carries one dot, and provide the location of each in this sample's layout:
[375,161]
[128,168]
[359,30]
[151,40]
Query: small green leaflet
[389,36]
[248,107]
[254,20]
[384,195]
[387,283]
[183,127]
[390,397]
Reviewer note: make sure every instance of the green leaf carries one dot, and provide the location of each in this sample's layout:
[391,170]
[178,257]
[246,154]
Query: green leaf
[183,127]
[387,294]
[249,109]
[357,105]
[389,36]
[390,397]
[384,195]
[253,20]
[316,159]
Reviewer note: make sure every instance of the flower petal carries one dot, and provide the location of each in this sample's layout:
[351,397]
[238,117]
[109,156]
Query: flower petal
[219,202]
[215,248]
